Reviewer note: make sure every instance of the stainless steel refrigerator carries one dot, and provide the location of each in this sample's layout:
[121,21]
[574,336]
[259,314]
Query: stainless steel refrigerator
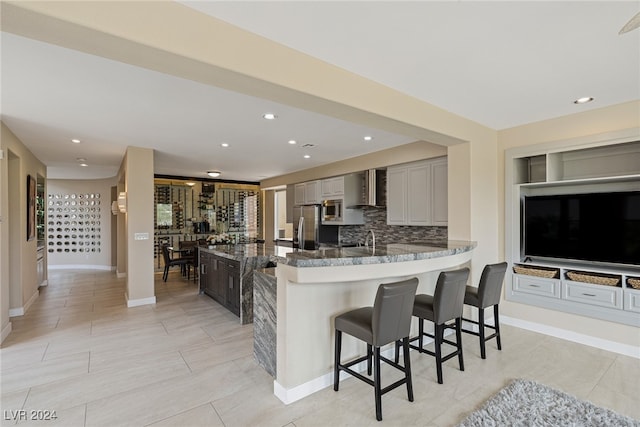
[308,231]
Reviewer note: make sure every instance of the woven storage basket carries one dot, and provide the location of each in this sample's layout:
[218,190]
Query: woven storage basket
[546,272]
[594,278]
[634,282]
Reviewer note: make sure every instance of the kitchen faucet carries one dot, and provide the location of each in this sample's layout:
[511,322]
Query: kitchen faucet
[373,239]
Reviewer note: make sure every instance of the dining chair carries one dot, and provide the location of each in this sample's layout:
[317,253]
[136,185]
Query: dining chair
[487,294]
[388,321]
[170,262]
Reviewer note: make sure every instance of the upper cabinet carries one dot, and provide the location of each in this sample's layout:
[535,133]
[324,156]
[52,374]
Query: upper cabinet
[417,193]
[307,193]
[332,187]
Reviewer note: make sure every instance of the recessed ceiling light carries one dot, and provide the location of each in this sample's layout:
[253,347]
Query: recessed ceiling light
[293,141]
[583,100]
[191,184]
[84,165]
[213,174]
[269,116]
[81,159]
[75,141]
[368,138]
[306,156]
[224,144]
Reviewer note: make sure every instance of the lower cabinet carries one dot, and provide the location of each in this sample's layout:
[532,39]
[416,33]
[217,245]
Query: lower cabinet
[608,295]
[220,279]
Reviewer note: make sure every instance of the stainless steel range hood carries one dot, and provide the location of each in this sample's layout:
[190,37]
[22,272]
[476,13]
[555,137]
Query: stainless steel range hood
[375,188]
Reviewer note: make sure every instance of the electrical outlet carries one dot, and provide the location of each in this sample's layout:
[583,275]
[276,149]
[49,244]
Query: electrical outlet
[141,236]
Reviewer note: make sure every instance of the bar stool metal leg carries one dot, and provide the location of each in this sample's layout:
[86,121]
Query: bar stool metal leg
[407,367]
[377,387]
[336,362]
[459,342]
[481,333]
[496,322]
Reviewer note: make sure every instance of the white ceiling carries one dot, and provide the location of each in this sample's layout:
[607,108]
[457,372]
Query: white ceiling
[501,64]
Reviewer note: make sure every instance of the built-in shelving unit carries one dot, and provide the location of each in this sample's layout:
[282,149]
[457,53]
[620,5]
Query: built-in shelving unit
[599,163]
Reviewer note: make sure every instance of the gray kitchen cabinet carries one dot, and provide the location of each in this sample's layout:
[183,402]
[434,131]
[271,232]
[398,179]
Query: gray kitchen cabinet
[417,193]
[307,193]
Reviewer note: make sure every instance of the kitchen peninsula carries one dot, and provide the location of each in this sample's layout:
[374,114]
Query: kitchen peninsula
[312,287]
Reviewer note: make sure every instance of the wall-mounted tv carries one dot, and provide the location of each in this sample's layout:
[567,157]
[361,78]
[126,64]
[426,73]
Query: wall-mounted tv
[597,227]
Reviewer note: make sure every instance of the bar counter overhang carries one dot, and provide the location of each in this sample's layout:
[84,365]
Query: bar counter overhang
[313,287]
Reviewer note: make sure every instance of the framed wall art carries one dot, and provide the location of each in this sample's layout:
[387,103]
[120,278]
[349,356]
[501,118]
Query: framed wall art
[31,207]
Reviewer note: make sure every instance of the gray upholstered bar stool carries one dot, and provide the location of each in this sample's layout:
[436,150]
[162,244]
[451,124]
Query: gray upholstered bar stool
[444,305]
[487,294]
[387,321]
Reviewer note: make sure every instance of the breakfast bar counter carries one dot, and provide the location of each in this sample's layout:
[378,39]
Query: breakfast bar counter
[313,287]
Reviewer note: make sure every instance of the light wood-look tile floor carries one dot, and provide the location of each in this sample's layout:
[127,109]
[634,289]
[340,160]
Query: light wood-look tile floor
[186,361]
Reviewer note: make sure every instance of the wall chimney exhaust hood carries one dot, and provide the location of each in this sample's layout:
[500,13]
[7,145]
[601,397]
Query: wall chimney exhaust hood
[374,191]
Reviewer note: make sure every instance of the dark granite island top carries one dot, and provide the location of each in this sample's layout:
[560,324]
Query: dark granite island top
[380,254]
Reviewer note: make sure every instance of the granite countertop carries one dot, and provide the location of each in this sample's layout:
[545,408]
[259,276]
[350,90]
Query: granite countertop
[381,254]
[250,250]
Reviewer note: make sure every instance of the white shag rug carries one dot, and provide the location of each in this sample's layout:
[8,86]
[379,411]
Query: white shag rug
[527,403]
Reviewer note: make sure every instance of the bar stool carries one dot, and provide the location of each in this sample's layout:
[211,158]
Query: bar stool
[387,321]
[487,294]
[445,305]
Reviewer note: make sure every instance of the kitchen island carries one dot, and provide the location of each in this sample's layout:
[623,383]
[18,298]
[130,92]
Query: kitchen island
[313,287]
[227,273]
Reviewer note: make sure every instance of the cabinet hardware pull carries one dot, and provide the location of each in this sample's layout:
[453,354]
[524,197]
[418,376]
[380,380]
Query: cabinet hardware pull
[534,286]
[589,295]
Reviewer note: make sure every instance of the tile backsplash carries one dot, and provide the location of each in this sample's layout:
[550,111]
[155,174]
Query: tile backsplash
[376,219]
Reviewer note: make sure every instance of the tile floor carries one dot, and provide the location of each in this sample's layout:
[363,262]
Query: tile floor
[186,361]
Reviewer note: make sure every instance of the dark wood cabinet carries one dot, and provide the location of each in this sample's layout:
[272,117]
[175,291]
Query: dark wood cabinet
[220,279]
[205,271]
[231,277]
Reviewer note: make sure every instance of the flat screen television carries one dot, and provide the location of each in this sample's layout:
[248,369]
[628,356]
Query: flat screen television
[597,227]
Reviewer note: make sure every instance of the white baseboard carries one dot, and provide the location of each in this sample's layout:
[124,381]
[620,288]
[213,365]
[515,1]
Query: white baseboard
[291,395]
[5,332]
[44,283]
[120,275]
[624,349]
[139,302]
[79,267]
[15,312]
[31,300]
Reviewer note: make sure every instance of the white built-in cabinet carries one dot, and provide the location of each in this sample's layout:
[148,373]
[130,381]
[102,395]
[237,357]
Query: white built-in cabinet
[417,193]
[307,193]
[332,187]
[599,163]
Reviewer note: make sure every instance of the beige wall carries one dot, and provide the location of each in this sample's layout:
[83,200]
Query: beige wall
[137,172]
[18,276]
[393,156]
[594,123]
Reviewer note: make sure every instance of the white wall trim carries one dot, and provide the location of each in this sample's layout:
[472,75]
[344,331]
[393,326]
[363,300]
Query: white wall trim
[31,300]
[5,332]
[44,283]
[291,395]
[139,302]
[15,312]
[121,275]
[625,349]
[79,267]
